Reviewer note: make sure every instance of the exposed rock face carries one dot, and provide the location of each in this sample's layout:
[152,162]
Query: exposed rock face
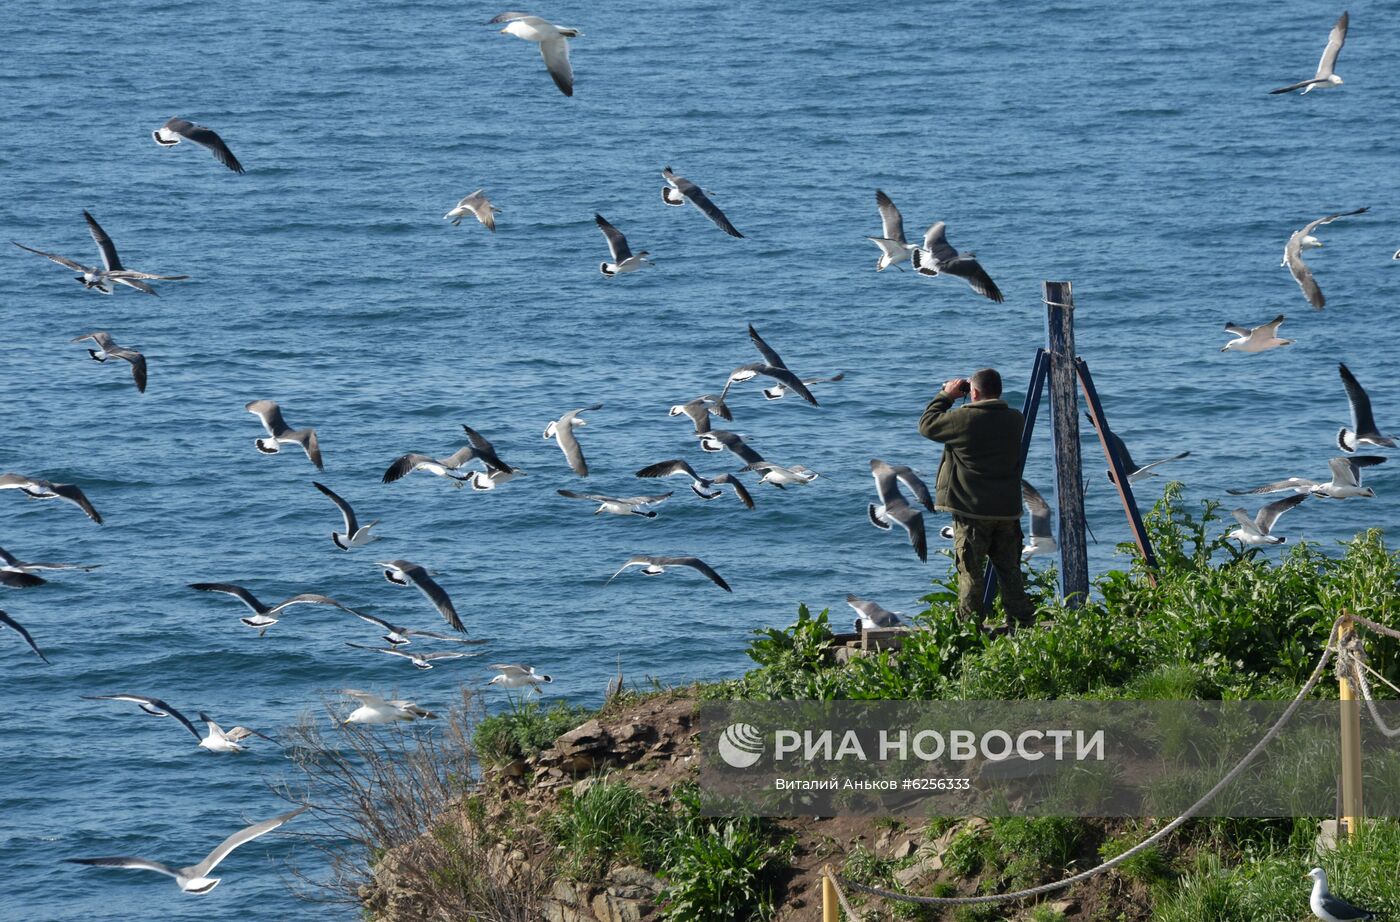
[628,895]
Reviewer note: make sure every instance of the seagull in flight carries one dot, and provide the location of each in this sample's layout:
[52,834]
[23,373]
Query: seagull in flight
[562,431]
[1293,255]
[279,433]
[1042,537]
[624,260]
[893,507]
[1363,424]
[1326,75]
[12,624]
[631,505]
[447,467]
[678,189]
[553,41]
[1345,482]
[375,710]
[779,391]
[216,740]
[1258,531]
[35,488]
[108,349]
[399,636]
[419,660]
[497,471]
[937,257]
[405,573]
[20,574]
[716,440]
[514,675]
[698,411]
[1135,471]
[263,616]
[894,249]
[772,366]
[355,535]
[780,476]
[1255,339]
[479,207]
[179,129]
[655,566]
[112,270]
[701,486]
[195,878]
[1329,907]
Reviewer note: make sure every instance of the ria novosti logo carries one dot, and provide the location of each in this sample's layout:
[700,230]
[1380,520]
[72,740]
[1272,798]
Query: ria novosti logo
[741,745]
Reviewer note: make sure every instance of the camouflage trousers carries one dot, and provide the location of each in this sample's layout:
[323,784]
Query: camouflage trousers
[975,541]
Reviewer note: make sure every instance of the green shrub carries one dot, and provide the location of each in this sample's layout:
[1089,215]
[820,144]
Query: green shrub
[609,823]
[724,872]
[524,730]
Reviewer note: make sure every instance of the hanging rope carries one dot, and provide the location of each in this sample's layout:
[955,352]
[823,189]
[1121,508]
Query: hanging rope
[1151,840]
[840,896]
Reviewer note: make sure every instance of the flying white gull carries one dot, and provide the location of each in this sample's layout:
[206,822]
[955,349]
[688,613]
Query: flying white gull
[112,270]
[419,660]
[780,476]
[399,636]
[678,189]
[376,710]
[677,467]
[779,391]
[1258,531]
[937,257]
[405,573]
[624,260]
[216,740]
[195,878]
[514,675]
[1042,537]
[263,616]
[497,471]
[1345,482]
[179,129]
[108,349]
[12,624]
[1293,255]
[699,410]
[716,440]
[35,488]
[772,366]
[1255,339]
[355,535]
[447,467]
[631,505]
[1326,67]
[1329,907]
[279,433]
[1135,471]
[894,249]
[1363,424]
[562,431]
[553,41]
[655,566]
[893,507]
[872,616]
[476,205]
[20,574]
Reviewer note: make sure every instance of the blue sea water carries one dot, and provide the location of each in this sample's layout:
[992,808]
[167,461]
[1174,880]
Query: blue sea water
[1130,148]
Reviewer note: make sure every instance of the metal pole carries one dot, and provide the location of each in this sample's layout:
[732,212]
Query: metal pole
[1351,817]
[1064,415]
[1030,408]
[831,911]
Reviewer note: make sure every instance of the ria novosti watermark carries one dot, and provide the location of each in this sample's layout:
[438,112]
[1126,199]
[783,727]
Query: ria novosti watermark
[1089,758]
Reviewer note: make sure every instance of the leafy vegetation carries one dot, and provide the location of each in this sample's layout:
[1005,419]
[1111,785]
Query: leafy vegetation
[524,730]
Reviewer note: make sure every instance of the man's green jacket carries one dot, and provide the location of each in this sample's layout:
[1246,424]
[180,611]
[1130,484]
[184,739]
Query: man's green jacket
[980,474]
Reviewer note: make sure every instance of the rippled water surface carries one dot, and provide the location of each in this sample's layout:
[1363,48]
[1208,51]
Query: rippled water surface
[1130,148]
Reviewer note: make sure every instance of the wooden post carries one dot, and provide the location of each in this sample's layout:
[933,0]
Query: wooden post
[831,910]
[1030,409]
[1351,739]
[1115,465]
[1064,416]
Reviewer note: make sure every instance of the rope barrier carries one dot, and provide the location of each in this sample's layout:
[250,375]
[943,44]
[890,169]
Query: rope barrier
[1151,840]
[840,895]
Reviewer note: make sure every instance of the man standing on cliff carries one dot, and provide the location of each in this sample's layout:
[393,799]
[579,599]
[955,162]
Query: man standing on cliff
[979,483]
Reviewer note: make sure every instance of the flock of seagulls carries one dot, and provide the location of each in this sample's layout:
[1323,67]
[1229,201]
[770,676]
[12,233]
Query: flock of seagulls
[933,257]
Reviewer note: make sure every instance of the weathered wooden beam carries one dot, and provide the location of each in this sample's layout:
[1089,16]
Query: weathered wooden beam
[1116,467]
[1064,431]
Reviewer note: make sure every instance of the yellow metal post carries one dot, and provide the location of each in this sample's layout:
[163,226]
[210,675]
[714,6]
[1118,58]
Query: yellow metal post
[831,911]
[1351,739]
